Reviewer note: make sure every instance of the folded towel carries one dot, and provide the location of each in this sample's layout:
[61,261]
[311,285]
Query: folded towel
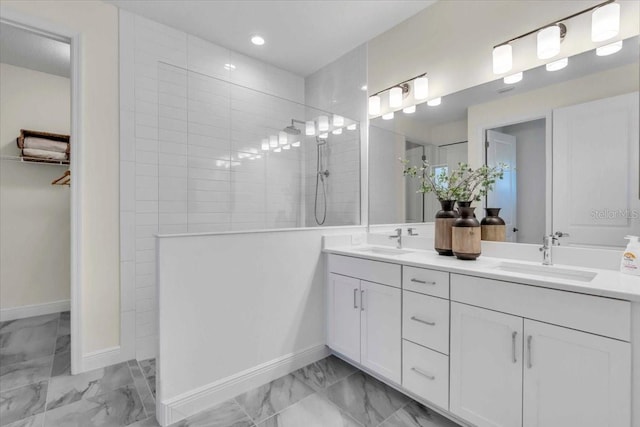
[43,154]
[45,144]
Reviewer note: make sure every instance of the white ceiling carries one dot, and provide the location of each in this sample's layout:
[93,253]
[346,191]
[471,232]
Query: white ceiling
[301,35]
[26,49]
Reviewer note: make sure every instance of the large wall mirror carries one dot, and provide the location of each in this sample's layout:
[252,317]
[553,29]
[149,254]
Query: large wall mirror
[570,137]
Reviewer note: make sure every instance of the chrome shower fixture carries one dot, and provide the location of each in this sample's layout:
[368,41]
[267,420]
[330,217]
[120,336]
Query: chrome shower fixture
[292,129]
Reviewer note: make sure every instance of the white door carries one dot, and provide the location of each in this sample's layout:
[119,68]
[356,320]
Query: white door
[381,339]
[486,366]
[596,195]
[344,316]
[501,148]
[575,379]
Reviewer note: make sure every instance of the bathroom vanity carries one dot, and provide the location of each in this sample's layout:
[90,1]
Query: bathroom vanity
[490,343]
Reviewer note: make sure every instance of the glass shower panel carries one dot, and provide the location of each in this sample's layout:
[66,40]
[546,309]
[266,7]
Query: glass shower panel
[232,158]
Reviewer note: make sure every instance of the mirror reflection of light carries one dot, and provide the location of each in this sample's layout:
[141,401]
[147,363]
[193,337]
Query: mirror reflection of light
[609,49]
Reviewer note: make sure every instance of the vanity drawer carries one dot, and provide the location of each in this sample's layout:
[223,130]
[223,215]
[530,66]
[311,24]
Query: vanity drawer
[599,315]
[424,281]
[426,373]
[425,321]
[371,271]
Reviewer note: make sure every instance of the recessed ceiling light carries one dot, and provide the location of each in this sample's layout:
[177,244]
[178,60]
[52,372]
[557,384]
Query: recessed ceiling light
[257,40]
[229,67]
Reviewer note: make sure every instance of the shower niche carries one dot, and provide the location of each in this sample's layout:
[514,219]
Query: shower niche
[230,158]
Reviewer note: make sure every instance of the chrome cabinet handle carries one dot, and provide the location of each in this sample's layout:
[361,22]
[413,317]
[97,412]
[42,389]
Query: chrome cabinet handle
[355,304]
[529,363]
[361,300]
[513,346]
[422,282]
[423,373]
[426,322]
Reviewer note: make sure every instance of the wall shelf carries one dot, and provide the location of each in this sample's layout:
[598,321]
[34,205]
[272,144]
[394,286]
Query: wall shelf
[36,160]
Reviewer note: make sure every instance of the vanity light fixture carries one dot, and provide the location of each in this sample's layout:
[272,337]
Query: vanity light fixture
[323,123]
[557,65]
[257,40]
[513,78]
[604,25]
[338,121]
[296,144]
[502,59]
[273,141]
[323,136]
[609,49]
[310,128]
[374,105]
[337,131]
[352,126]
[282,138]
[434,102]
[605,22]
[387,116]
[265,144]
[395,97]
[409,110]
[420,88]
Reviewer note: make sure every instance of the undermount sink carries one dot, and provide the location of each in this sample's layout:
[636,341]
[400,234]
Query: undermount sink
[548,271]
[383,251]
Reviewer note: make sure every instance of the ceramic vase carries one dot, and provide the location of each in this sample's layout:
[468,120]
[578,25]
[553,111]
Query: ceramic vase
[465,235]
[444,221]
[493,228]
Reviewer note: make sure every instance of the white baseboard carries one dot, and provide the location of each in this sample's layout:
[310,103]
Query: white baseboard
[169,411]
[21,312]
[100,359]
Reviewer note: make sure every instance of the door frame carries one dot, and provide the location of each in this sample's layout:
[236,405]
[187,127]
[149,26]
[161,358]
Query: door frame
[74,38]
[547,115]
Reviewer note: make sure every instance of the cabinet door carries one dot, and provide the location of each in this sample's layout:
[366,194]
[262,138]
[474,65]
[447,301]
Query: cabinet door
[486,366]
[575,379]
[344,316]
[381,338]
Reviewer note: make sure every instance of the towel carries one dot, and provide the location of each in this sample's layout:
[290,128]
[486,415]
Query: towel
[43,154]
[45,144]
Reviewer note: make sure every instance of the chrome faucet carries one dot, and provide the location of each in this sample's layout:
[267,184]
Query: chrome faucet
[397,236]
[412,231]
[548,242]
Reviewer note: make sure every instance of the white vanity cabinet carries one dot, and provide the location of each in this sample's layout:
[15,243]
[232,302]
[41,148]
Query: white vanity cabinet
[364,317]
[509,371]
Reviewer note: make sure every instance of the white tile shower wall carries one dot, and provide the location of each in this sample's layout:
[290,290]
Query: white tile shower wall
[153,152]
[337,87]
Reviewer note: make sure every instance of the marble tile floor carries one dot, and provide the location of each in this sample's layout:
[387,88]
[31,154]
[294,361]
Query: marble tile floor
[35,391]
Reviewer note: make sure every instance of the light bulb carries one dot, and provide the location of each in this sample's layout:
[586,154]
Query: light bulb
[513,78]
[387,116]
[338,121]
[323,123]
[374,105]
[395,97]
[434,102]
[296,144]
[420,88]
[273,141]
[352,126]
[282,137]
[286,147]
[502,59]
[310,128]
[323,136]
[409,110]
[549,42]
[605,22]
[557,65]
[337,131]
[265,144]
[609,49]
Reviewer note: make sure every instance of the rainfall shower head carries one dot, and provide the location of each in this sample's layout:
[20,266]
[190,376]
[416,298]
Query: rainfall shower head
[292,129]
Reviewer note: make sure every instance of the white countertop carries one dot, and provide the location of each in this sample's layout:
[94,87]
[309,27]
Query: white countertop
[607,283]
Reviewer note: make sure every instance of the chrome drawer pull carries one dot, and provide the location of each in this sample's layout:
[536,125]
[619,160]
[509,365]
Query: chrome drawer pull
[530,362]
[423,373]
[426,322]
[355,304]
[422,282]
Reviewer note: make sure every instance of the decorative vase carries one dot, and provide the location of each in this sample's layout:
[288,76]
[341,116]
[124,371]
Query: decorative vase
[493,227]
[444,221]
[466,234]
[466,204]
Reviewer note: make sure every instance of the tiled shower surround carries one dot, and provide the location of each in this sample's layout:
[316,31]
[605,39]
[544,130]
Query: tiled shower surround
[191,127]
